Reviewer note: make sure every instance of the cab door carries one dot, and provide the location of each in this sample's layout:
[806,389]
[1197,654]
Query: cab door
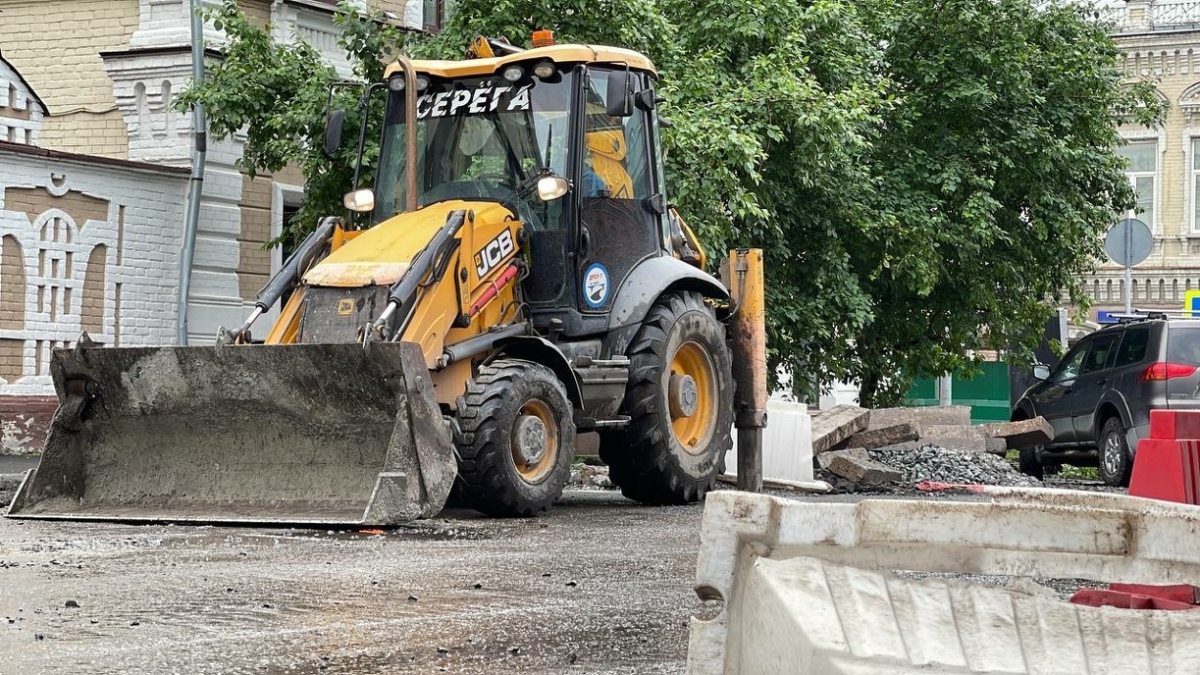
[621,208]
[1093,380]
[1053,400]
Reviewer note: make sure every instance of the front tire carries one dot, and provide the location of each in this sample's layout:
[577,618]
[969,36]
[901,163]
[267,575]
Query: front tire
[516,439]
[680,402]
[1115,463]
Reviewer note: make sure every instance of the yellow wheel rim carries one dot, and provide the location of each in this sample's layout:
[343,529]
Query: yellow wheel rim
[693,431]
[534,441]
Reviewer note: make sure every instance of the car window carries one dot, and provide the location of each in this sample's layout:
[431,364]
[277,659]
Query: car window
[1069,368]
[1183,345]
[1133,347]
[1102,348]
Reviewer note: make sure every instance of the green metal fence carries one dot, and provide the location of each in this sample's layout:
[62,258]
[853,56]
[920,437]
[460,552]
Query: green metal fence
[986,393]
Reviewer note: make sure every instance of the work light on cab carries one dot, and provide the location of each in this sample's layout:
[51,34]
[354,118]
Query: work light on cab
[550,188]
[513,73]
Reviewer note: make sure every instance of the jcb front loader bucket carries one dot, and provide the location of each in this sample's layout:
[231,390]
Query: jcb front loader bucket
[297,434]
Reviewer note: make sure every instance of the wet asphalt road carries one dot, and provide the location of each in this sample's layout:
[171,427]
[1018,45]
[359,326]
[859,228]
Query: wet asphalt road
[599,586]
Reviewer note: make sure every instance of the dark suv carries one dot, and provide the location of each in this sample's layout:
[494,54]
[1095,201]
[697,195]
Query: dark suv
[1099,396]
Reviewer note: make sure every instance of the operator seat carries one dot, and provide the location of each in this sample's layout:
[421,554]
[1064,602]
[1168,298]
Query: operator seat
[607,149]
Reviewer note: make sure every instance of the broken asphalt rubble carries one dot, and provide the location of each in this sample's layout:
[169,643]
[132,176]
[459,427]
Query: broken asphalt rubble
[857,447]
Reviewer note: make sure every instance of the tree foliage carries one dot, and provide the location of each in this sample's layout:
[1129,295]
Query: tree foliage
[927,177]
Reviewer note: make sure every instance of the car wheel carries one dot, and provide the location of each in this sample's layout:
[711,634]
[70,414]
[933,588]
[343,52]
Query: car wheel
[1115,463]
[1029,463]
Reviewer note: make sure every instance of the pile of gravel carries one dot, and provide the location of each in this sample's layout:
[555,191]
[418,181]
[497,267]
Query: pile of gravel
[934,463]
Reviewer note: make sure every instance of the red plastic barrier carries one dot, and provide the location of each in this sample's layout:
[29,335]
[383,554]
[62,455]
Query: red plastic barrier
[1174,425]
[1177,592]
[1098,597]
[1167,465]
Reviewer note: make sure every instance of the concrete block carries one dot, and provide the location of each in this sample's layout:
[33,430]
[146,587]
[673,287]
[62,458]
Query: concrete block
[825,458]
[952,415]
[1023,434]
[877,438]
[965,438]
[862,471]
[787,443]
[831,427]
[808,588]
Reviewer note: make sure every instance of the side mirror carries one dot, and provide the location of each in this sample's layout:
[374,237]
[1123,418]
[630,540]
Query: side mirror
[646,99]
[618,98]
[333,131]
[1041,372]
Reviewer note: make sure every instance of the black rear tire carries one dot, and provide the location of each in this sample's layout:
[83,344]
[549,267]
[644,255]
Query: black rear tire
[1113,454]
[667,455]
[1029,463]
[507,401]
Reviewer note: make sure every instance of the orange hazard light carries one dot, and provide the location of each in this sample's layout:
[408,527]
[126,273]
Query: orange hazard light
[543,38]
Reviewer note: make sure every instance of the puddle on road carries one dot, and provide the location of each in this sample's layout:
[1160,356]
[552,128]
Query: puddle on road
[444,530]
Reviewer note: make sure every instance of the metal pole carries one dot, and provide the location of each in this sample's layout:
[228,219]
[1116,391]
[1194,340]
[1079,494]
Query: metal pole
[196,180]
[1128,267]
[748,328]
[410,133]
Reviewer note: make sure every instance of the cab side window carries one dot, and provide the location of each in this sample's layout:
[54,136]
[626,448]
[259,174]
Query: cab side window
[615,157]
[1101,354]
[1133,347]
[1069,368]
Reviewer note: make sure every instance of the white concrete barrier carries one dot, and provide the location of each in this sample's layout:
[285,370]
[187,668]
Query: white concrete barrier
[808,588]
[787,443]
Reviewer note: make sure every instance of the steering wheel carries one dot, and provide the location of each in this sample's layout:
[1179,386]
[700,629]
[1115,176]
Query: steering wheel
[500,178]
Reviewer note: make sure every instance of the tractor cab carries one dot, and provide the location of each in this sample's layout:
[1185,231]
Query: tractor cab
[562,137]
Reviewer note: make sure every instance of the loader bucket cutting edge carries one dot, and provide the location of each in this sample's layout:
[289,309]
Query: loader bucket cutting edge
[291,434]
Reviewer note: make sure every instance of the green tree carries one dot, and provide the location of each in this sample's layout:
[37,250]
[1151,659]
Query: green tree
[926,177]
[996,177]
[278,95]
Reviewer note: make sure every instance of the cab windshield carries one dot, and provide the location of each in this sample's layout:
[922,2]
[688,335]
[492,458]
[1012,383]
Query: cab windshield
[479,139]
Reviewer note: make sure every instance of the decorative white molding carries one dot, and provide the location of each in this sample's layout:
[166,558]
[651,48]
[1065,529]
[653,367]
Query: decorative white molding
[290,23]
[21,111]
[1152,286]
[143,86]
[127,233]
[166,23]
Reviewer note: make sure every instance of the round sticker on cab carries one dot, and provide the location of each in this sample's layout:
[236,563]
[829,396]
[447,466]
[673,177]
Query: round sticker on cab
[595,285]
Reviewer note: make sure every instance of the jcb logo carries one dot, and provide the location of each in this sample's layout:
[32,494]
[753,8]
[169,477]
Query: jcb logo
[496,250]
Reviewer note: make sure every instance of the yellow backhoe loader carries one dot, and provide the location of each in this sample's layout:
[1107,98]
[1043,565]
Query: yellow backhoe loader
[515,277]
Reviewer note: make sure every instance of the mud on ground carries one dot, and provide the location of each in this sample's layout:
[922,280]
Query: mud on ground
[601,586]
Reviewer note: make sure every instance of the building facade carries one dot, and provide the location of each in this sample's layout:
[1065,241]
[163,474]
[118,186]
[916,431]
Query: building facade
[1161,40]
[94,181]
